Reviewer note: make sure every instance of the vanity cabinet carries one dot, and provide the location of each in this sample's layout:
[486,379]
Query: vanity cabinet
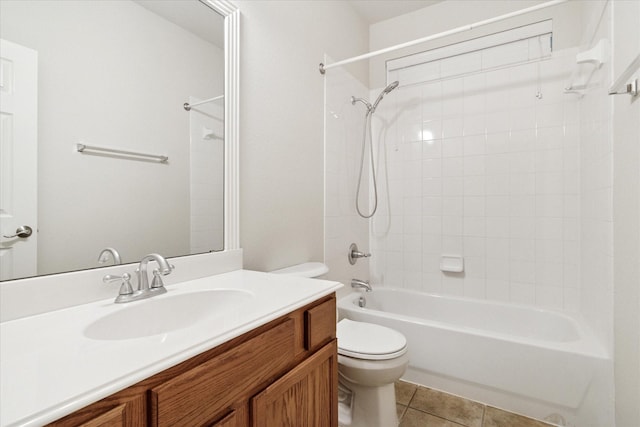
[283,373]
[302,396]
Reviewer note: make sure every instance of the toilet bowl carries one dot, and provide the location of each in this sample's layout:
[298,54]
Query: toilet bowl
[370,359]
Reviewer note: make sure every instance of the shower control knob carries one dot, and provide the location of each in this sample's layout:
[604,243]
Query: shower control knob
[354,254]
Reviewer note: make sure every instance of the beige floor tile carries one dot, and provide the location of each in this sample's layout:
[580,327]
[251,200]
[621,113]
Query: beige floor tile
[494,417]
[404,392]
[415,418]
[400,409]
[443,405]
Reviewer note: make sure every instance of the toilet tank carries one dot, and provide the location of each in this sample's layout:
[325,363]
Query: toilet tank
[307,269]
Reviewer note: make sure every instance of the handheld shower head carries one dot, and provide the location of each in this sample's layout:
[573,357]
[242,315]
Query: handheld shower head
[385,91]
[391,87]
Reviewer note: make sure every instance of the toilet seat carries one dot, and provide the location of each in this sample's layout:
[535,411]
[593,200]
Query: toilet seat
[368,341]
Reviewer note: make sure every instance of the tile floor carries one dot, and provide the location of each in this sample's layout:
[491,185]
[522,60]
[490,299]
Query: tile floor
[423,407]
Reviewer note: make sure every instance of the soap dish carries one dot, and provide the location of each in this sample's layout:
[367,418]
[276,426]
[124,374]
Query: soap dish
[452,263]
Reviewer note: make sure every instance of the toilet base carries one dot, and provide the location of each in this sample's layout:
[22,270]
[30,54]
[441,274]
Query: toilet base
[372,406]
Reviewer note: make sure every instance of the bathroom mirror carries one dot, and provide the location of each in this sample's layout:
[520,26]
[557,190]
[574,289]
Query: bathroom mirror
[131,109]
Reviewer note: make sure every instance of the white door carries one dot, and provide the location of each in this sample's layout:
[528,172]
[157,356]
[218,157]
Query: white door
[18,159]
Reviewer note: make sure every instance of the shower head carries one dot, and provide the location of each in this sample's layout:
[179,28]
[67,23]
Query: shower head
[391,87]
[385,91]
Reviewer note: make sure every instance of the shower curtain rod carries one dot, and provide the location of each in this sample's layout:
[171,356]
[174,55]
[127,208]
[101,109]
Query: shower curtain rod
[188,106]
[324,68]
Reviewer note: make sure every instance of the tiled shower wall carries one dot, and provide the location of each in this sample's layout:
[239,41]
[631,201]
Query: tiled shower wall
[597,188]
[343,143]
[486,166]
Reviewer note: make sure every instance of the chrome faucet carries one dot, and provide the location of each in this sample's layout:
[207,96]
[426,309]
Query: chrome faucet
[357,283]
[104,256]
[143,279]
[127,294]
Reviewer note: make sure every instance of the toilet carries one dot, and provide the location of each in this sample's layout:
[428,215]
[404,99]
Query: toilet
[370,359]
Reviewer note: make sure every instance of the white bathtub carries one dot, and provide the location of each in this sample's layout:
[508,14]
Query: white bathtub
[520,358]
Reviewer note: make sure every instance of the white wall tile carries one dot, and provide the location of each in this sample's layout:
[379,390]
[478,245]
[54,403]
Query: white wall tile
[497,269]
[453,166]
[452,147]
[497,121]
[474,226]
[453,285]
[497,290]
[497,248]
[522,293]
[453,206]
[479,166]
[474,288]
[452,127]
[453,186]
[497,185]
[432,187]
[432,149]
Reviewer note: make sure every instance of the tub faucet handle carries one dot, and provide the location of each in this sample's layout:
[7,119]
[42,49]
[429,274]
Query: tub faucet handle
[355,253]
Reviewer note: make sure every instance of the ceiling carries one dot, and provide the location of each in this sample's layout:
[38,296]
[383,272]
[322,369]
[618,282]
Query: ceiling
[374,11]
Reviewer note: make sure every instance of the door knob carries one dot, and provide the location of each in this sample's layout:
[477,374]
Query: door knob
[23,231]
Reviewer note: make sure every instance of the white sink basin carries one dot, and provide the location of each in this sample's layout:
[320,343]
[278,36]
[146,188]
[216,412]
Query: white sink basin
[166,313]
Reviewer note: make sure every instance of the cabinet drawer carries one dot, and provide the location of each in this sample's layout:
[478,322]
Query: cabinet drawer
[197,396]
[320,324]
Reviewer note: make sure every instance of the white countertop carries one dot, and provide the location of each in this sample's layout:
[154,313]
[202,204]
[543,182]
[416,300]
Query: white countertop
[49,369]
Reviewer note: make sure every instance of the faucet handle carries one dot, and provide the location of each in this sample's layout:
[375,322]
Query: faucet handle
[125,288]
[355,253]
[157,277]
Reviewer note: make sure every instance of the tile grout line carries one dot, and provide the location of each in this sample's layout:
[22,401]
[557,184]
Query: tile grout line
[483,416]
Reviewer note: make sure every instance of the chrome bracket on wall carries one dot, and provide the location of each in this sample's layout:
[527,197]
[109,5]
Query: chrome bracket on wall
[628,89]
[622,85]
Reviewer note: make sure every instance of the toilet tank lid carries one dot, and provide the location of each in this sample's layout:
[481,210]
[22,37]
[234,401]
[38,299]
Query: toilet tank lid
[307,269]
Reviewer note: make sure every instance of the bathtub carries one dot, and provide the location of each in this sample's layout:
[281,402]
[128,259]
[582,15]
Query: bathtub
[520,358]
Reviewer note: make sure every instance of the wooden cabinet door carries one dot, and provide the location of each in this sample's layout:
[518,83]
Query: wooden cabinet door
[304,397]
[237,418]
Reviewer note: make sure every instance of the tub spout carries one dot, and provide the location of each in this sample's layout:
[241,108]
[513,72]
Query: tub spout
[357,283]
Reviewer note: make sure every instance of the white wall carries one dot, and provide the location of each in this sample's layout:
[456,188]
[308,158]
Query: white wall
[626,219]
[99,89]
[281,129]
